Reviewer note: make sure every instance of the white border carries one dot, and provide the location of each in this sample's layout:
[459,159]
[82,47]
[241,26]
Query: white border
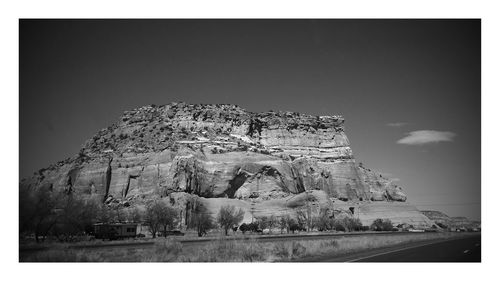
[14,10]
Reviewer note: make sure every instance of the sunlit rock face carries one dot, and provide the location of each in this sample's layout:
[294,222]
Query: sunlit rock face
[220,153]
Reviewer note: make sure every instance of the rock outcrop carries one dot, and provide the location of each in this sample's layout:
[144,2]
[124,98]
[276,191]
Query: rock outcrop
[264,162]
[445,221]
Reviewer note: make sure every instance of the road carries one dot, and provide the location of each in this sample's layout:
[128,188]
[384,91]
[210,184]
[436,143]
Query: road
[467,249]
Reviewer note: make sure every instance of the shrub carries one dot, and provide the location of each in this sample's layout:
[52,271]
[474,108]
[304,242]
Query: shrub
[338,225]
[294,226]
[298,250]
[243,228]
[253,227]
[252,252]
[167,250]
[329,244]
[281,251]
[381,225]
[352,224]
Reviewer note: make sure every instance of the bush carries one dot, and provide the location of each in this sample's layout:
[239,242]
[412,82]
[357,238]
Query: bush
[167,250]
[338,225]
[252,252]
[298,249]
[381,225]
[281,251]
[352,224]
[244,228]
[294,226]
[253,227]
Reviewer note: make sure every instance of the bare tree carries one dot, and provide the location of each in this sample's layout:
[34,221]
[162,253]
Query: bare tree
[272,222]
[168,217]
[135,215]
[228,217]
[153,217]
[37,212]
[200,219]
[283,223]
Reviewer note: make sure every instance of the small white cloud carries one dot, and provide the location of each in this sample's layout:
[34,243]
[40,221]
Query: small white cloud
[397,124]
[426,136]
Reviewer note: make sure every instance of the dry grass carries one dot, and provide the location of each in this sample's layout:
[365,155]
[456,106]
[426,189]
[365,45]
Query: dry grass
[224,250]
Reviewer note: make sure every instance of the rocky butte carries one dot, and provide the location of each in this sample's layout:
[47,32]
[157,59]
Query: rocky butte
[265,163]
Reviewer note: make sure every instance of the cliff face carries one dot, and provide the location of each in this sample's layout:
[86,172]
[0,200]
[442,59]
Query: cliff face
[220,153]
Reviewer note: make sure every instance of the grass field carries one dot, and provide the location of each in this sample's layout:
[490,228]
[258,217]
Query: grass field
[225,250]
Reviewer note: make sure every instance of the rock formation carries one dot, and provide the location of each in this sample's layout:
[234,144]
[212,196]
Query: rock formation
[444,220]
[265,163]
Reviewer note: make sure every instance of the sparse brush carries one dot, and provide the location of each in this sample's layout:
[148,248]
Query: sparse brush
[329,244]
[164,251]
[253,251]
[298,250]
[281,250]
[225,250]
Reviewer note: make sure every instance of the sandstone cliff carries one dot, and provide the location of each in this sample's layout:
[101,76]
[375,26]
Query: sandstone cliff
[269,162]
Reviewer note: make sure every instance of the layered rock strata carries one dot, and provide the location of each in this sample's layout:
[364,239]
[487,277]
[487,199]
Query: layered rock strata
[222,154]
[444,220]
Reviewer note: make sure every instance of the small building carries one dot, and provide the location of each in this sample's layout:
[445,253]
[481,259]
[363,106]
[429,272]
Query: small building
[115,230]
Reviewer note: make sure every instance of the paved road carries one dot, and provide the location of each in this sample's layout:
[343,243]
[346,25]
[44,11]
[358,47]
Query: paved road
[466,249]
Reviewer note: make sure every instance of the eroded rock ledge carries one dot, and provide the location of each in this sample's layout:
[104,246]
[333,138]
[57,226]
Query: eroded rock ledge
[219,153]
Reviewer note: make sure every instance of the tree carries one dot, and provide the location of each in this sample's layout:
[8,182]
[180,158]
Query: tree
[305,219]
[135,215]
[228,217]
[262,222]
[295,226]
[266,222]
[74,217]
[103,214]
[272,222]
[323,221]
[37,212]
[167,217]
[159,214]
[200,219]
[283,224]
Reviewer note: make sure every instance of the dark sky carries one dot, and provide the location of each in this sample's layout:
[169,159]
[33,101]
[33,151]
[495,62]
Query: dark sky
[387,77]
